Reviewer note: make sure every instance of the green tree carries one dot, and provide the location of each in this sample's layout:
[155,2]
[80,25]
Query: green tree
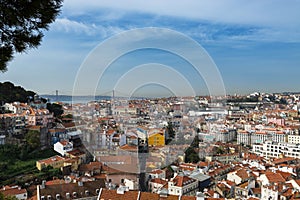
[56,109]
[11,93]
[195,142]
[33,139]
[220,150]
[2,197]
[22,24]
[191,156]
[170,133]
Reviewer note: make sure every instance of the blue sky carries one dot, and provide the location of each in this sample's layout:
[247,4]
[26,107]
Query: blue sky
[255,44]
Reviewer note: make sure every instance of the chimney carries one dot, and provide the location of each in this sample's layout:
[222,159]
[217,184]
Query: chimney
[120,190]
[80,183]
[43,186]
[216,195]
[200,196]
[163,192]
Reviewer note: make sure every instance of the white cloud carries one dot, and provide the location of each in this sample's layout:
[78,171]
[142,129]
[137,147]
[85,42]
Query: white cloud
[71,26]
[255,12]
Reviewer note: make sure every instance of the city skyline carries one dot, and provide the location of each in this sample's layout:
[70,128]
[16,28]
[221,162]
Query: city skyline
[255,45]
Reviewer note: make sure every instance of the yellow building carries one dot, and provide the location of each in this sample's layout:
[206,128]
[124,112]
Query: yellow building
[156,138]
[77,155]
[54,161]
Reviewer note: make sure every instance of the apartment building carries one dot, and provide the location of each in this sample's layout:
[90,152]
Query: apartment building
[258,137]
[271,149]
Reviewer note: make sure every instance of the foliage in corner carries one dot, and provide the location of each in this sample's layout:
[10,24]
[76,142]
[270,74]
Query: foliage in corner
[22,24]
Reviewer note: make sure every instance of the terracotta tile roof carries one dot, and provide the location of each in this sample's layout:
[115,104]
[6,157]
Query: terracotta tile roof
[157,171]
[229,182]
[112,195]
[129,148]
[152,196]
[54,130]
[148,196]
[283,160]
[285,175]
[298,181]
[117,159]
[62,189]
[288,192]
[64,142]
[69,125]
[261,132]
[55,182]
[110,132]
[159,181]
[76,152]
[180,181]
[242,173]
[274,177]
[256,190]
[13,191]
[210,193]
[188,198]
[52,159]
[90,167]
[203,164]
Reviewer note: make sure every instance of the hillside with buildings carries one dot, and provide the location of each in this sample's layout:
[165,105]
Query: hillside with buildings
[168,148]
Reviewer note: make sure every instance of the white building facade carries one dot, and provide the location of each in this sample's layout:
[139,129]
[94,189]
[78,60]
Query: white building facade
[271,149]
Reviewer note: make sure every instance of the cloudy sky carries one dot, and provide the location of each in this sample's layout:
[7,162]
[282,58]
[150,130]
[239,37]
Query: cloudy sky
[254,44]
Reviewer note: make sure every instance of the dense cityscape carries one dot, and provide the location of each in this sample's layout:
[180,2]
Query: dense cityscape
[149,100]
[233,147]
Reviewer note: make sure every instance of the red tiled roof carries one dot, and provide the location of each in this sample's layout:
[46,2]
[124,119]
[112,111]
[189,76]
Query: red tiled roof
[274,177]
[180,181]
[90,167]
[159,181]
[112,195]
[52,159]
[157,171]
[110,132]
[283,160]
[64,142]
[129,148]
[288,192]
[13,191]
[242,173]
[69,125]
[256,190]
[55,182]
[203,164]
[285,175]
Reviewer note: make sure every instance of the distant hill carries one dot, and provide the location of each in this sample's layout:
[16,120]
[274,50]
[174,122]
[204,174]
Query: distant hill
[11,93]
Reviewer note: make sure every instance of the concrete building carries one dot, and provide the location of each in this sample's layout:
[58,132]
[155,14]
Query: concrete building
[271,149]
[63,147]
[294,139]
[182,185]
[258,137]
[15,191]
[55,162]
